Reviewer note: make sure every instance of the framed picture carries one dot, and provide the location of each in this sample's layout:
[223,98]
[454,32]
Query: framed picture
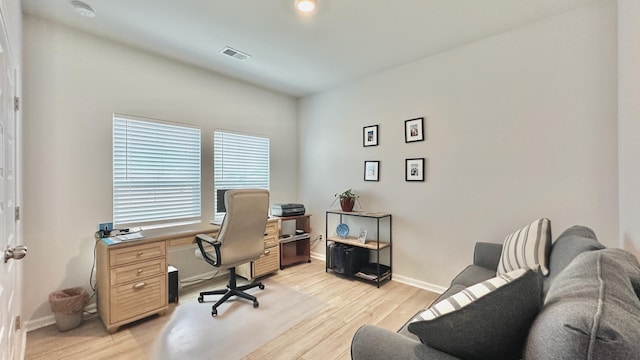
[370,135]
[414,130]
[371,170]
[362,238]
[414,169]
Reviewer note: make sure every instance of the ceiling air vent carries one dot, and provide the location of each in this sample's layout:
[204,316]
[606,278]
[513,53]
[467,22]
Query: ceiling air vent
[236,54]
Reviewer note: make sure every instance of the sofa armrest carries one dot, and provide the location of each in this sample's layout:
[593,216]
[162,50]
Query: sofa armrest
[371,343]
[487,255]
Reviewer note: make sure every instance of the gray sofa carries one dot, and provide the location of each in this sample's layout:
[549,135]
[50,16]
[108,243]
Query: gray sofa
[588,309]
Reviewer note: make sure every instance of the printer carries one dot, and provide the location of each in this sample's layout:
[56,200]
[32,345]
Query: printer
[287,209]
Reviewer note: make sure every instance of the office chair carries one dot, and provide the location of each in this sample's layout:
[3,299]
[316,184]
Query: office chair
[240,240]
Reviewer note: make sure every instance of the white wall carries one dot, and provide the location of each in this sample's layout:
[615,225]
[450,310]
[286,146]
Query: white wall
[518,126]
[629,124]
[74,82]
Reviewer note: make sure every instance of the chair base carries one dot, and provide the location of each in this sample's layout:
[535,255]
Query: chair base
[231,290]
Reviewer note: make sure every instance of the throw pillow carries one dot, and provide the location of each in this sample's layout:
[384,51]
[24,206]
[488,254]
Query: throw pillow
[489,320]
[528,247]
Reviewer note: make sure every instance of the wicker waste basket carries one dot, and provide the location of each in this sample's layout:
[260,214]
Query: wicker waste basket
[67,306]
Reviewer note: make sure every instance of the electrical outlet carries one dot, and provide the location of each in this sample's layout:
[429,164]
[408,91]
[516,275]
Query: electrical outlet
[106,226]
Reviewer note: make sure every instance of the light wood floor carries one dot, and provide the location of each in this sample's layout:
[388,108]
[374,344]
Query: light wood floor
[350,304]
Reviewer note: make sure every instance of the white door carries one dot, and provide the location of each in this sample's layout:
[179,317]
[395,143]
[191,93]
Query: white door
[10,286]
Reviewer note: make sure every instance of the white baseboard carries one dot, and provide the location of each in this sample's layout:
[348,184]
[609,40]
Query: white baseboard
[401,279]
[92,308]
[51,319]
[419,284]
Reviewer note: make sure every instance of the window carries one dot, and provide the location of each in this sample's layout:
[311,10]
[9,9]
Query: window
[240,161]
[156,172]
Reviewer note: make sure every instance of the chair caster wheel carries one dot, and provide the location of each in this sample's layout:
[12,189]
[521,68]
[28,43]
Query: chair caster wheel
[261,287]
[214,312]
[200,299]
[256,304]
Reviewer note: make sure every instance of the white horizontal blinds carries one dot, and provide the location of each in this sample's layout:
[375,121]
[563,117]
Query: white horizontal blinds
[240,161]
[156,171]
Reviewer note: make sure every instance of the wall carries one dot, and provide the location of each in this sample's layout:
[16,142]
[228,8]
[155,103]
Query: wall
[518,126]
[74,82]
[629,126]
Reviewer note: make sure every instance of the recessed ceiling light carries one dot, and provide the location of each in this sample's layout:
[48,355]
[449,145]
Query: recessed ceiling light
[306,5]
[83,9]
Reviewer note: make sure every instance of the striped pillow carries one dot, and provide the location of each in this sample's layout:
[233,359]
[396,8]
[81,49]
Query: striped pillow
[467,296]
[527,248]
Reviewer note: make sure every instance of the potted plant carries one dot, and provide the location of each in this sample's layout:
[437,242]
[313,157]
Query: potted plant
[347,200]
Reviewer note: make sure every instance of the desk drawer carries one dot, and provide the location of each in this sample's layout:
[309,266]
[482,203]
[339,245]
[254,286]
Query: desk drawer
[124,274]
[137,253]
[271,228]
[270,241]
[267,263]
[131,300]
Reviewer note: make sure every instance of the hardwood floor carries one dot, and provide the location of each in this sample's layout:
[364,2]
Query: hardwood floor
[350,304]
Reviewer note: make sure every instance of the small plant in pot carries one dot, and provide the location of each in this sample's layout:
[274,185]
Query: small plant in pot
[347,200]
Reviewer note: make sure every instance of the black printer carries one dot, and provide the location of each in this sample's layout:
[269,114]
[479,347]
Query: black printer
[287,209]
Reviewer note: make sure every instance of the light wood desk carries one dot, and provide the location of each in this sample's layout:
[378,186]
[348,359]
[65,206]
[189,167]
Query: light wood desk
[132,275]
[132,278]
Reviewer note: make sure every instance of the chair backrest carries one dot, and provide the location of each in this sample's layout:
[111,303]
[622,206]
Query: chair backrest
[242,232]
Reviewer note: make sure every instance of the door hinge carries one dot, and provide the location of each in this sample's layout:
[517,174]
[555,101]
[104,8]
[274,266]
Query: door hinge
[18,323]
[17,213]
[16,103]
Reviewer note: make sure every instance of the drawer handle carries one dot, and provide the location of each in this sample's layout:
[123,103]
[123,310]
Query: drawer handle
[139,253]
[267,252]
[139,271]
[139,285]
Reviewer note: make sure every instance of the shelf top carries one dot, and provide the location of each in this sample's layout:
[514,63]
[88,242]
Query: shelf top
[360,213]
[350,240]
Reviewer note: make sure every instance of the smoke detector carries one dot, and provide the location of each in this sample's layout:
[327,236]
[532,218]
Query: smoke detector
[83,9]
[236,54]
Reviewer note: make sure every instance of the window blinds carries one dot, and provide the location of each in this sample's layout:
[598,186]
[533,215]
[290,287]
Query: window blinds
[156,171]
[240,161]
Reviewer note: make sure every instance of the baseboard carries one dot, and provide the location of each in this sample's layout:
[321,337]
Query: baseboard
[92,308]
[318,256]
[419,284]
[401,279]
[210,275]
[51,319]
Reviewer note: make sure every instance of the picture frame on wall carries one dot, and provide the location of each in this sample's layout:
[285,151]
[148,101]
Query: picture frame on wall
[370,135]
[414,130]
[414,169]
[371,170]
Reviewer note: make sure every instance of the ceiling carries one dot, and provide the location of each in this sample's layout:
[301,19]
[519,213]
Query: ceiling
[341,41]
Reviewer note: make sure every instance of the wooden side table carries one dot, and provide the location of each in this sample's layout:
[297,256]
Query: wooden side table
[296,249]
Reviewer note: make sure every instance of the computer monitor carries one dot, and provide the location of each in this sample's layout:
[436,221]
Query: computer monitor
[220,207]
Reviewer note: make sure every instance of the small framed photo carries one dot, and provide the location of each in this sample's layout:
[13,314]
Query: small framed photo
[370,135]
[371,170]
[362,238]
[414,130]
[414,169]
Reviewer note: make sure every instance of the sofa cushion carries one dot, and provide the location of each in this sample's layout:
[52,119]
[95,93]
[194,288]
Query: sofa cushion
[568,245]
[591,310]
[371,342]
[528,247]
[493,325]
[472,275]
